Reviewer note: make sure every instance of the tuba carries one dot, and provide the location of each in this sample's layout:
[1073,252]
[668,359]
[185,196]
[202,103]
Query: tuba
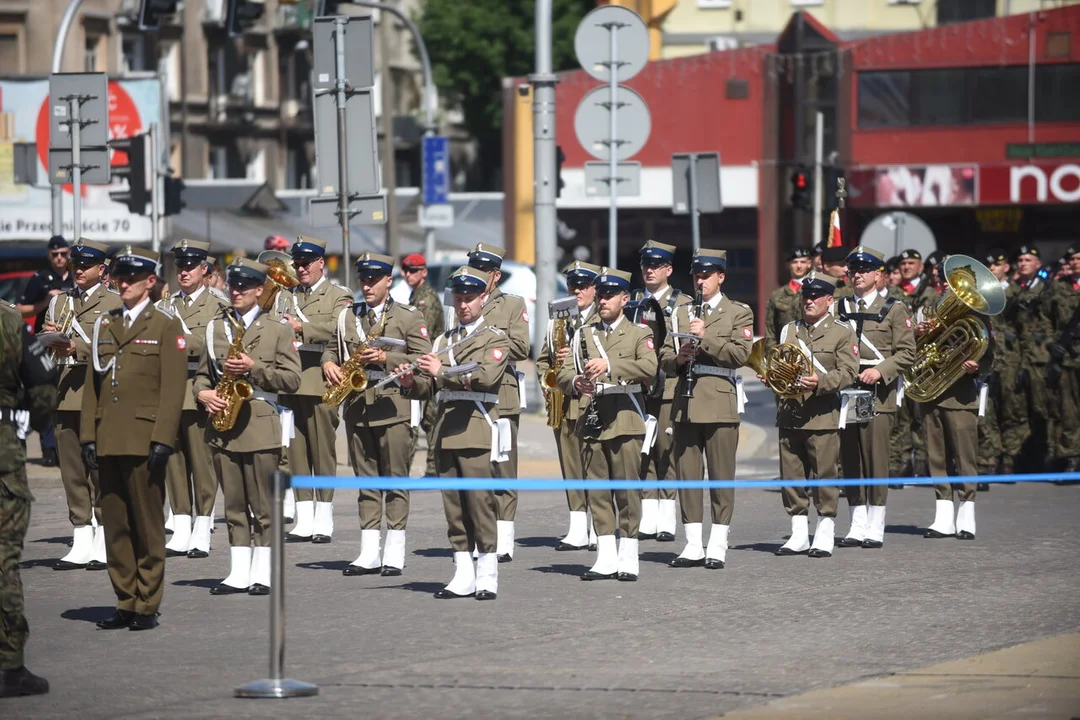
[279,276]
[234,389]
[353,377]
[781,367]
[956,332]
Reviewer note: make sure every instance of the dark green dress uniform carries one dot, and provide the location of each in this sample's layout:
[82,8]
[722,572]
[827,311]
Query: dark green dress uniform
[508,313]
[80,485]
[314,446]
[469,437]
[784,306]
[27,381]
[809,425]
[427,302]
[886,344]
[611,447]
[707,424]
[379,422]
[129,424]
[190,479]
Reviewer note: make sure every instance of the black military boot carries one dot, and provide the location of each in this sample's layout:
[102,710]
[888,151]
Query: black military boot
[49,458]
[14,683]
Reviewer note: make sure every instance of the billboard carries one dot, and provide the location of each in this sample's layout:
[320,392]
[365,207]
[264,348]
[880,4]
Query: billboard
[924,185]
[26,210]
[1029,184]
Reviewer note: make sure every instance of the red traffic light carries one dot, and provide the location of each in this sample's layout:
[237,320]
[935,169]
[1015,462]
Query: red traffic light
[800,180]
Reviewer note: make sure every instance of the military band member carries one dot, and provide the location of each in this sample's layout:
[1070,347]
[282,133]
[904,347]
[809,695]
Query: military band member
[424,298]
[245,455]
[809,425]
[614,360]
[190,478]
[80,307]
[470,437]
[708,401]
[378,422]
[315,305]
[508,313]
[658,507]
[886,344]
[129,423]
[785,302]
[579,282]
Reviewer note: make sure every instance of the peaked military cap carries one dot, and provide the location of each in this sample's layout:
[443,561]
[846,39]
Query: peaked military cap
[708,260]
[655,253]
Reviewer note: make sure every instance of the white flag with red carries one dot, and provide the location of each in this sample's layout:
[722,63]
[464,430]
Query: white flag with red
[835,240]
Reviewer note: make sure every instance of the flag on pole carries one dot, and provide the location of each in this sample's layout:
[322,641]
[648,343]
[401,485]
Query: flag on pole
[835,240]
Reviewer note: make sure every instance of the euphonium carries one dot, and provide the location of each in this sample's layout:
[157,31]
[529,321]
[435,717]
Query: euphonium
[554,396]
[232,388]
[781,367]
[956,333]
[353,377]
[279,276]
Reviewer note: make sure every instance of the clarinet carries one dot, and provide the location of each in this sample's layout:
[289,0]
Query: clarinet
[689,377]
[590,424]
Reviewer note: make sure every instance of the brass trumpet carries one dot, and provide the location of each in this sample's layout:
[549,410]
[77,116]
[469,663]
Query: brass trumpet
[781,367]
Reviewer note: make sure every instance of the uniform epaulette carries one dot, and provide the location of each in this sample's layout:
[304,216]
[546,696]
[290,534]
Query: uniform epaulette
[740,304]
[161,310]
[339,286]
[511,295]
[497,331]
[112,290]
[405,306]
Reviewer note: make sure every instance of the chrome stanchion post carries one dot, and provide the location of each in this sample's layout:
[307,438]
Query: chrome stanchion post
[277,686]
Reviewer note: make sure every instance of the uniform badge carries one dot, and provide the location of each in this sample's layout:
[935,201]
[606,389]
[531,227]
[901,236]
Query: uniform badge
[498,354]
[296,345]
[421,303]
[855,349]
[525,315]
[907,321]
[747,333]
[649,343]
[423,331]
[181,342]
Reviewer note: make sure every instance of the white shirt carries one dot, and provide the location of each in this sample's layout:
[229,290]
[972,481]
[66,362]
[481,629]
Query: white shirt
[320,281]
[868,298]
[658,295]
[713,302]
[250,315]
[130,316]
[884,292]
[471,327]
[85,294]
[193,296]
[378,311]
[615,324]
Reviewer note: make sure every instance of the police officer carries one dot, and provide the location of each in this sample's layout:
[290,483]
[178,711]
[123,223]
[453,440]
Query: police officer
[809,425]
[424,298]
[245,455]
[79,308]
[508,313]
[1065,361]
[785,302]
[129,424]
[189,478]
[315,305]
[708,401]
[614,360]
[470,437]
[378,422]
[658,508]
[27,375]
[886,345]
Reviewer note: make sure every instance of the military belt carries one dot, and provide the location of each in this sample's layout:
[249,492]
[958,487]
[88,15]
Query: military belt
[192,365]
[453,395]
[714,371]
[312,347]
[614,389]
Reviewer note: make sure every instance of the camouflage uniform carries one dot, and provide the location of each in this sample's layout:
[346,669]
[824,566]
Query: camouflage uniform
[1064,303]
[907,441]
[784,306]
[426,300]
[1024,408]
[27,380]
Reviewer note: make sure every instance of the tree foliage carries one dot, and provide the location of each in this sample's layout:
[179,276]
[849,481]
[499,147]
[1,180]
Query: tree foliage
[474,44]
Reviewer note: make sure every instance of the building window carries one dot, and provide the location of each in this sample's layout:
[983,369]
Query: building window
[1056,99]
[952,11]
[133,54]
[11,50]
[170,54]
[226,161]
[297,168]
[90,54]
[935,99]
[997,94]
[883,99]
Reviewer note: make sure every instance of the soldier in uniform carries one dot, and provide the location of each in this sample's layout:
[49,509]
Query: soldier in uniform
[1065,361]
[708,401]
[579,281]
[1006,359]
[834,264]
[424,298]
[245,455]
[27,381]
[129,424]
[470,437]
[886,343]
[378,422]
[83,305]
[613,361]
[316,304]
[892,273]
[809,425]
[785,302]
[189,478]
[508,313]
[658,507]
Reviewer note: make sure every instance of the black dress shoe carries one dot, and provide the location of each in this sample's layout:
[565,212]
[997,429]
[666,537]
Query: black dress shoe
[289,537]
[485,595]
[665,537]
[592,547]
[787,552]
[505,558]
[681,562]
[67,565]
[934,534]
[445,594]
[818,553]
[197,554]
[849,542]
[223,589]
[321,539]
[590,575]
[119,620]
[567,547]
[49,458]
[258,589]
[965,535]
[175,553]
[626,577]
[388,571]
[352,570]
[21,682]
[143,621]
[711,564]
[872,544]
[646,536]
[97,565]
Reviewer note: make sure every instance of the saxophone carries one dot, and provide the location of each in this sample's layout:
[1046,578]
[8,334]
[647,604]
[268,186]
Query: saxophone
[554,396]
[353,377]
[231,387]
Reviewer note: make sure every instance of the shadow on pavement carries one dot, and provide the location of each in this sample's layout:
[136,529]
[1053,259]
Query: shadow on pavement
[575,570]
[434,552]
[548,542]
[337,565]
[88,614]
[770,548]
[63,540]
[200,582]
[660,558]
[905,529]
[429,588]
[38,562]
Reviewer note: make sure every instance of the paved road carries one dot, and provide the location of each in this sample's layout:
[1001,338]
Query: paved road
[678,644]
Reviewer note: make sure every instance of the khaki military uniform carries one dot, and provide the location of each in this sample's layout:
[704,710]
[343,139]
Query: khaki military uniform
[1025,411]
[80,485]
[427,302]
[784,306]
[952,436]
[136,398]
[908,440]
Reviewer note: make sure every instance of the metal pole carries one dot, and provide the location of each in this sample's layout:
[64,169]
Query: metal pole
[74,103]
[343,156]
[544,218]
[155,199]
[695,221]
[57,66]
[389,176]
[613,149]
[819,149]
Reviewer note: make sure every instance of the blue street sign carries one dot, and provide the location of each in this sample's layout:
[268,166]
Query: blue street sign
[436,170]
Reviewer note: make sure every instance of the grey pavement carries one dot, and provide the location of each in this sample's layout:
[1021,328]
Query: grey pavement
[677,644]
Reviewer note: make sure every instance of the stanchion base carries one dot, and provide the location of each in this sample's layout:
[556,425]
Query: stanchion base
[284,688]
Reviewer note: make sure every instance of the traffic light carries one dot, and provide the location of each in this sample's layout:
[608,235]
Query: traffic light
[560,158]
[802,188]
[174,196]
[151,12]
[241,15]
[831,177]
[137,195]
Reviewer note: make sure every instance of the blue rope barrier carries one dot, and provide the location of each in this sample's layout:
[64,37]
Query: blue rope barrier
[558,484]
